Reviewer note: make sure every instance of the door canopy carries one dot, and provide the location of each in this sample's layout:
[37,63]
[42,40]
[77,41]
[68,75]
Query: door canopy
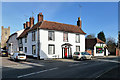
[66,45]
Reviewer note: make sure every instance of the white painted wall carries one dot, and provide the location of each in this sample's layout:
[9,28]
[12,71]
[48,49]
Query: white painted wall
[43,37]
[100,54]
[58,42]
[14,42]
[29,44]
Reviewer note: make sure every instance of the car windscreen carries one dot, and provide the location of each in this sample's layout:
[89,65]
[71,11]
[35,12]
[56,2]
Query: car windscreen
[82,53]
[21,54]
[76,53]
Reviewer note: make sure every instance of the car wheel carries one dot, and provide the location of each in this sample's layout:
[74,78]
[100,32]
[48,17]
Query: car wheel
[81,58]
[14,59]
[91,58]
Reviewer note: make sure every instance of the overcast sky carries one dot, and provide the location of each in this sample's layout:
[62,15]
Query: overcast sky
[96,16]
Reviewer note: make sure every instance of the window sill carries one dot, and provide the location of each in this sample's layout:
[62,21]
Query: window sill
[65,41]
[51,40]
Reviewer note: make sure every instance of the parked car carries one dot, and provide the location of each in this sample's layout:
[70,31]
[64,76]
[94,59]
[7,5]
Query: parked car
[18,56]
[81,55]
[4,53]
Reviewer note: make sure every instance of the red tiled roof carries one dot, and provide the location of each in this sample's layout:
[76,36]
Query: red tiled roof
[90,43]
[49,25]
[100,41]
[61,27]
[24,32]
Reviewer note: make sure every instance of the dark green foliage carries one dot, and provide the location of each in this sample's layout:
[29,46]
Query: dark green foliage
[101,36]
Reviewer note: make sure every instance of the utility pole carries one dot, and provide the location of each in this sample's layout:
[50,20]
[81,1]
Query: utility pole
[11,47]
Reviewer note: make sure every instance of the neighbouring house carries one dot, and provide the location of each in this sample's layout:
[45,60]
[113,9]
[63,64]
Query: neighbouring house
[12,42]
[48,39]
[96,47]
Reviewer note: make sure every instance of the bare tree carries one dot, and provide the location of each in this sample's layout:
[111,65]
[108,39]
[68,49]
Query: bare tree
[90,36]
[111,45]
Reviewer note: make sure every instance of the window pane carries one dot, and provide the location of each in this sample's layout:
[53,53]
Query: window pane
[65,36]
[77,38]
[33,49]
[77,48]
[50,35]
[51,49]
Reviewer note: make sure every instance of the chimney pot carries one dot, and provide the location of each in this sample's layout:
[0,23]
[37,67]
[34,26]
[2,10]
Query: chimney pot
[27,24]
[31,19]
[40,17]
[24,25]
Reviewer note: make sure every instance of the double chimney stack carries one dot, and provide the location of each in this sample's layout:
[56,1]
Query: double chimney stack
[31,21]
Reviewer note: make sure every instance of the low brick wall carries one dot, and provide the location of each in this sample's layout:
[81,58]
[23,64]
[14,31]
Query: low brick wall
[89,51]
[117,52]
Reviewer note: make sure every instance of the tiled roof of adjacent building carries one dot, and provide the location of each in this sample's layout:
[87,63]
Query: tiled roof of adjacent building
[49,25]
[24,32]
[14,34]
[90,43]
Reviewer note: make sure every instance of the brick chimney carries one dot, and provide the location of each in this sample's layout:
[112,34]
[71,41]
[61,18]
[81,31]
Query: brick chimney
[79,22]
[40,17]
[31,19]
[24,25]
[27,24]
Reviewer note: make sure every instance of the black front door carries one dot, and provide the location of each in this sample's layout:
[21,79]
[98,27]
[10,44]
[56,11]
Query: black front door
[104,51]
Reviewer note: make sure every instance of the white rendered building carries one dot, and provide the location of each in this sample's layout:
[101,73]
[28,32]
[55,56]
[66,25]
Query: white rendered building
[47,39]
[12,42]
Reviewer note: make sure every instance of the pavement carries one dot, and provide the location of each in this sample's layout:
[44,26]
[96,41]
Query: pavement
[96,68]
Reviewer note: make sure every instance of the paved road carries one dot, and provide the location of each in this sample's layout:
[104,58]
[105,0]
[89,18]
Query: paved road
[60,68]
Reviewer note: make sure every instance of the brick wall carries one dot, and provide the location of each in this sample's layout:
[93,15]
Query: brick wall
[117,52]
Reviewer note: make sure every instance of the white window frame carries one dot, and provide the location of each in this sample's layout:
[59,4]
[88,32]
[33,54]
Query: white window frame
[77,38]
[51,36]
[77,48]
[51,49]
[65,37]
[33,51]
[25,49]
[26,39]
[33,36]
[20,41]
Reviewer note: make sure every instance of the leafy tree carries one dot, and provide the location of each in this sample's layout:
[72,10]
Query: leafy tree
[90,36]
[101,36]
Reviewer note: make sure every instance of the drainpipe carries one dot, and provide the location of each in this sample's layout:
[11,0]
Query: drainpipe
[11,48]
[38,42]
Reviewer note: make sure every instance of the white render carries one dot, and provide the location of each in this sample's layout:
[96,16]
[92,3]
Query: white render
[44,42]
[13,42]
[100,54]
